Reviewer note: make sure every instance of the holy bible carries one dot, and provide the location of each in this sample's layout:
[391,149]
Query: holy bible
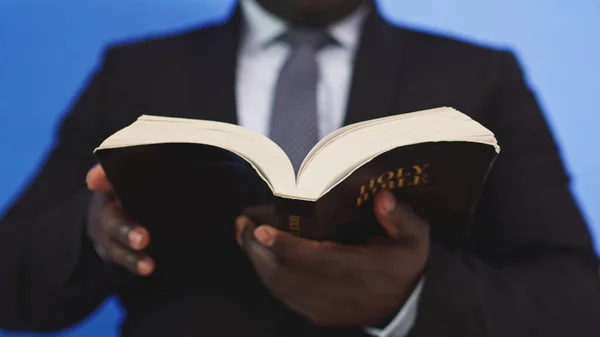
[192,177]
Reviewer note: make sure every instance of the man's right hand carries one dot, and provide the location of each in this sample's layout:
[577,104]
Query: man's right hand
[116,238]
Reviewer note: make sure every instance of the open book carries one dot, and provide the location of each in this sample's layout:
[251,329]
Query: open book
[436,160]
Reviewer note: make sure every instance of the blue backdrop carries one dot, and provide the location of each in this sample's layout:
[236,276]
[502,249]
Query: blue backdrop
[47,48]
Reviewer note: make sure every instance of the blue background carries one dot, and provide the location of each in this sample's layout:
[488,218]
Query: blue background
[47,49]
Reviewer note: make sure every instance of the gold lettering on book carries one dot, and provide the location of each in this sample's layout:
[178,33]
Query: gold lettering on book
[294,224]
[401,177]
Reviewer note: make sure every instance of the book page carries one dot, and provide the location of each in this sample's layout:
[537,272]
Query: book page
[268,159]
[352,147]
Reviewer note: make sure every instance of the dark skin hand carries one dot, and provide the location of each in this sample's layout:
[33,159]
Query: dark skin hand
[342,285]
[115,238]
[312,13]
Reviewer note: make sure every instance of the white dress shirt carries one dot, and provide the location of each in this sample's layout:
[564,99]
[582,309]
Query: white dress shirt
[260,59]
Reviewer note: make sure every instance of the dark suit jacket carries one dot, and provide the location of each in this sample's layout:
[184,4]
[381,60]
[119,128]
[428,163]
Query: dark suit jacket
[529,268]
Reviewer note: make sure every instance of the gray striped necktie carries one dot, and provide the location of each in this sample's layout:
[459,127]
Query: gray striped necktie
[294,124]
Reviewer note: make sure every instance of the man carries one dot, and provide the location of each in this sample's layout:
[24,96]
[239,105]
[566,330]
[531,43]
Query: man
[528,268]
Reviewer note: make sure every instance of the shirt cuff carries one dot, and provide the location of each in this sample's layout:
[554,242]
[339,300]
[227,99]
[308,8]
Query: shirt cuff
[404,320]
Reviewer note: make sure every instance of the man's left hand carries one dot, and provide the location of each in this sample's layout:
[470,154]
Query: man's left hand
[342,285]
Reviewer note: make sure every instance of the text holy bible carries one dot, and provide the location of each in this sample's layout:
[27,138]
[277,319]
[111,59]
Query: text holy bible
[195,176]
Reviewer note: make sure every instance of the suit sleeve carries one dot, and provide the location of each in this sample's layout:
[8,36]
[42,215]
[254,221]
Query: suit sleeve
[50,276]
[530,269]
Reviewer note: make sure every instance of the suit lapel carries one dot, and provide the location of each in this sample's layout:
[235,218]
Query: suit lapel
[213,89]
[375,80]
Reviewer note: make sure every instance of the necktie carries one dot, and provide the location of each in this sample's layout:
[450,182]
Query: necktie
[294,124]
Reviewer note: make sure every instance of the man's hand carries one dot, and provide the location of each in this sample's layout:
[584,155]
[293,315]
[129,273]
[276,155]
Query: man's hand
[334,284]
[115,238]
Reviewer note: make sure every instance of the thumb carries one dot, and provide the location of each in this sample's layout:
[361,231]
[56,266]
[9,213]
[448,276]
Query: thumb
[398,218]
[97,181]
[294,249]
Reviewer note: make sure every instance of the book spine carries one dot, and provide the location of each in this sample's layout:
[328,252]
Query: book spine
[297,217]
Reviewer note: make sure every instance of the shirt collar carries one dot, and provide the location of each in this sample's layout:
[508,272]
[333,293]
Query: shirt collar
[262,27]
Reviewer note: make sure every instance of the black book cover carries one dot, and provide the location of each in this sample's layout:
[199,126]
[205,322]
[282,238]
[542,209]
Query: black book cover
[189,194]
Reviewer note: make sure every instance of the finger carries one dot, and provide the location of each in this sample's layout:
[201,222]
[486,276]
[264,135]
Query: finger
[397,218]
[280,279]
[255,250]
[133,261]
[266,235]
[276,247]
[116,225]
[270,259]
[97,181]
[315,255]
[272,251]
[244,229]
[241,223]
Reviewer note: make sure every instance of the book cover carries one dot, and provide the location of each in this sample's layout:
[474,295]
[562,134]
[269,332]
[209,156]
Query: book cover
[185,193]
